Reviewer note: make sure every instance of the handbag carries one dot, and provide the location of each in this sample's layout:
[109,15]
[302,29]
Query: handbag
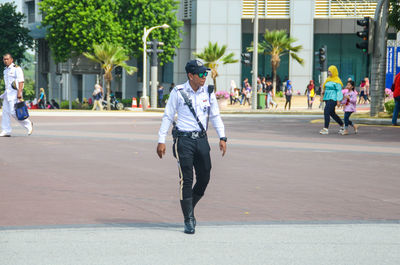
[21,110]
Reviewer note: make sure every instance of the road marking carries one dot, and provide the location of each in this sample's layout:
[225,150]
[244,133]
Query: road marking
[318,121]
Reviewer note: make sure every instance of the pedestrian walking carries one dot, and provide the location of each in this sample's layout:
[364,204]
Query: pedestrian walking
[332,96]
[361,96]
[42,99]
[97,97]
[288,94]
[310,92]
[366,90]
[232,92]
[243,92]
[160,94]
[13,93]
[396,96]
[259,86]
[270,95]
[195,104]
[349,106]
[247,94]
[264,85]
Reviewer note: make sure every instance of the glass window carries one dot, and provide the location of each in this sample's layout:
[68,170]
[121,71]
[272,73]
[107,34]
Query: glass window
[31,11]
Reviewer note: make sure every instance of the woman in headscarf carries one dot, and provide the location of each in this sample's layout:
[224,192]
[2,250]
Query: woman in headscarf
[288,94]
[332,95]
[310,92]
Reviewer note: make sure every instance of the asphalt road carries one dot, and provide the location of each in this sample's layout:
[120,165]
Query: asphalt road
[100,172]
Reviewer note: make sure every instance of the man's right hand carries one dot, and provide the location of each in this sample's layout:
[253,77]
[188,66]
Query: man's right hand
[161,150]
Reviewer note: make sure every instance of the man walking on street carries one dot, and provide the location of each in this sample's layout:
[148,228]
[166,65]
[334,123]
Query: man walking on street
[14,85]
[396,96]
[195,104]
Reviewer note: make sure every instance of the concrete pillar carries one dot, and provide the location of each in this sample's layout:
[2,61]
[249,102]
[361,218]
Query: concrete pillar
[302,29]
[221,23]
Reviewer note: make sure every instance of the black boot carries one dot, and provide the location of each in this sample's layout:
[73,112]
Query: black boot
[187,210]
[196,199]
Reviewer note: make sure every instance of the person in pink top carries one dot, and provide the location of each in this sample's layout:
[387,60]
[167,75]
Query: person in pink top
[349,106]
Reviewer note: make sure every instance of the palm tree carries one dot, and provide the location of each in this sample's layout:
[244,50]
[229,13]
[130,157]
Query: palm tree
[212,56]
[109,56]
[277,43]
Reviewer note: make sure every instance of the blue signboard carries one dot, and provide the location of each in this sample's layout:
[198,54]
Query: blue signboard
[398,61]
[389,67]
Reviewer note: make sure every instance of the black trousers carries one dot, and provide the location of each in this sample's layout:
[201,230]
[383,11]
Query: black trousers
[329,111]
[192,153]
[347,120]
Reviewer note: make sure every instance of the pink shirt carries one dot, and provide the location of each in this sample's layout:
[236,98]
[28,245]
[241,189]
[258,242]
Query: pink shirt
[349,105]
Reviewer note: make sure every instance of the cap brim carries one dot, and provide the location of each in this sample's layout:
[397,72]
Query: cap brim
[202,69]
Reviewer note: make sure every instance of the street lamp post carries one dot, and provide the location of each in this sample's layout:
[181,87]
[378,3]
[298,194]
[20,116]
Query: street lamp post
[255,60]
[144,38]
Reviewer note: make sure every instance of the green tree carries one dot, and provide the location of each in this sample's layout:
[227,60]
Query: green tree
[109,56]
[277,43]
[394,15]
[14,38]
[29,88]
[213,55]
[134,15]
[74,26]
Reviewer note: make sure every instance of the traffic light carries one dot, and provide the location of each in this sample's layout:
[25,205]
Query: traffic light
[323,58]
[154,46]
[154,50]
[366,34]
[246,58]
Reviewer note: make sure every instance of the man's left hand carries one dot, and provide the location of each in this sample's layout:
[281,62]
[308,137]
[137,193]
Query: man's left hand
[222,147]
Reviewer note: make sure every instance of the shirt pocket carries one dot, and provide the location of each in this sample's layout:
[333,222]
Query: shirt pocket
[204,104]
[11,76]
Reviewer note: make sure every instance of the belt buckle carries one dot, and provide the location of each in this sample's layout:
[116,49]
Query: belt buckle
[195,135]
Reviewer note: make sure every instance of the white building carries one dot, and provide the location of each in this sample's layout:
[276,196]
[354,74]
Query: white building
[312,22]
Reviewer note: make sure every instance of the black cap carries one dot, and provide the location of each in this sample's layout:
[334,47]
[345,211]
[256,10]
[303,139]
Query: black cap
[195,67]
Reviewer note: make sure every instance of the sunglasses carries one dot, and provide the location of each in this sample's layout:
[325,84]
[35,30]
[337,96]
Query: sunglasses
[201,75]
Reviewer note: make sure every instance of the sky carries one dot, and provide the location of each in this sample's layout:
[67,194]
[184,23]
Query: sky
[17,2]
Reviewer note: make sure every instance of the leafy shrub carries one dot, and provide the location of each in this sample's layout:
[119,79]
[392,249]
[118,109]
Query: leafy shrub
[389,106]
[279,94]
[29,89]
[126,102]
[165,98]
[65,105]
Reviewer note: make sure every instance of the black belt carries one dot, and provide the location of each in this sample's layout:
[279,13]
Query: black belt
[193,135]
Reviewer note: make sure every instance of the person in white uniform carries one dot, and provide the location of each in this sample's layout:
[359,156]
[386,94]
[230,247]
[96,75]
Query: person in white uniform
[14,85]
[191,147]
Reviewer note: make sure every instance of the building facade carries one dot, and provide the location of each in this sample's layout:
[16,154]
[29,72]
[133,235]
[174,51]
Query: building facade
[312,22]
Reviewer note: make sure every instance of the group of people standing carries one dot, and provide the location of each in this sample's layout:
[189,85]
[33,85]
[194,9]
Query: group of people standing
[263,85]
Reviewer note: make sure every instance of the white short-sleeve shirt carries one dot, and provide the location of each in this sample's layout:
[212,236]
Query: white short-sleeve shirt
[12,73]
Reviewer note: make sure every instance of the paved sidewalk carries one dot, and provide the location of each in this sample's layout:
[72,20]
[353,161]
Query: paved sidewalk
[305,244]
